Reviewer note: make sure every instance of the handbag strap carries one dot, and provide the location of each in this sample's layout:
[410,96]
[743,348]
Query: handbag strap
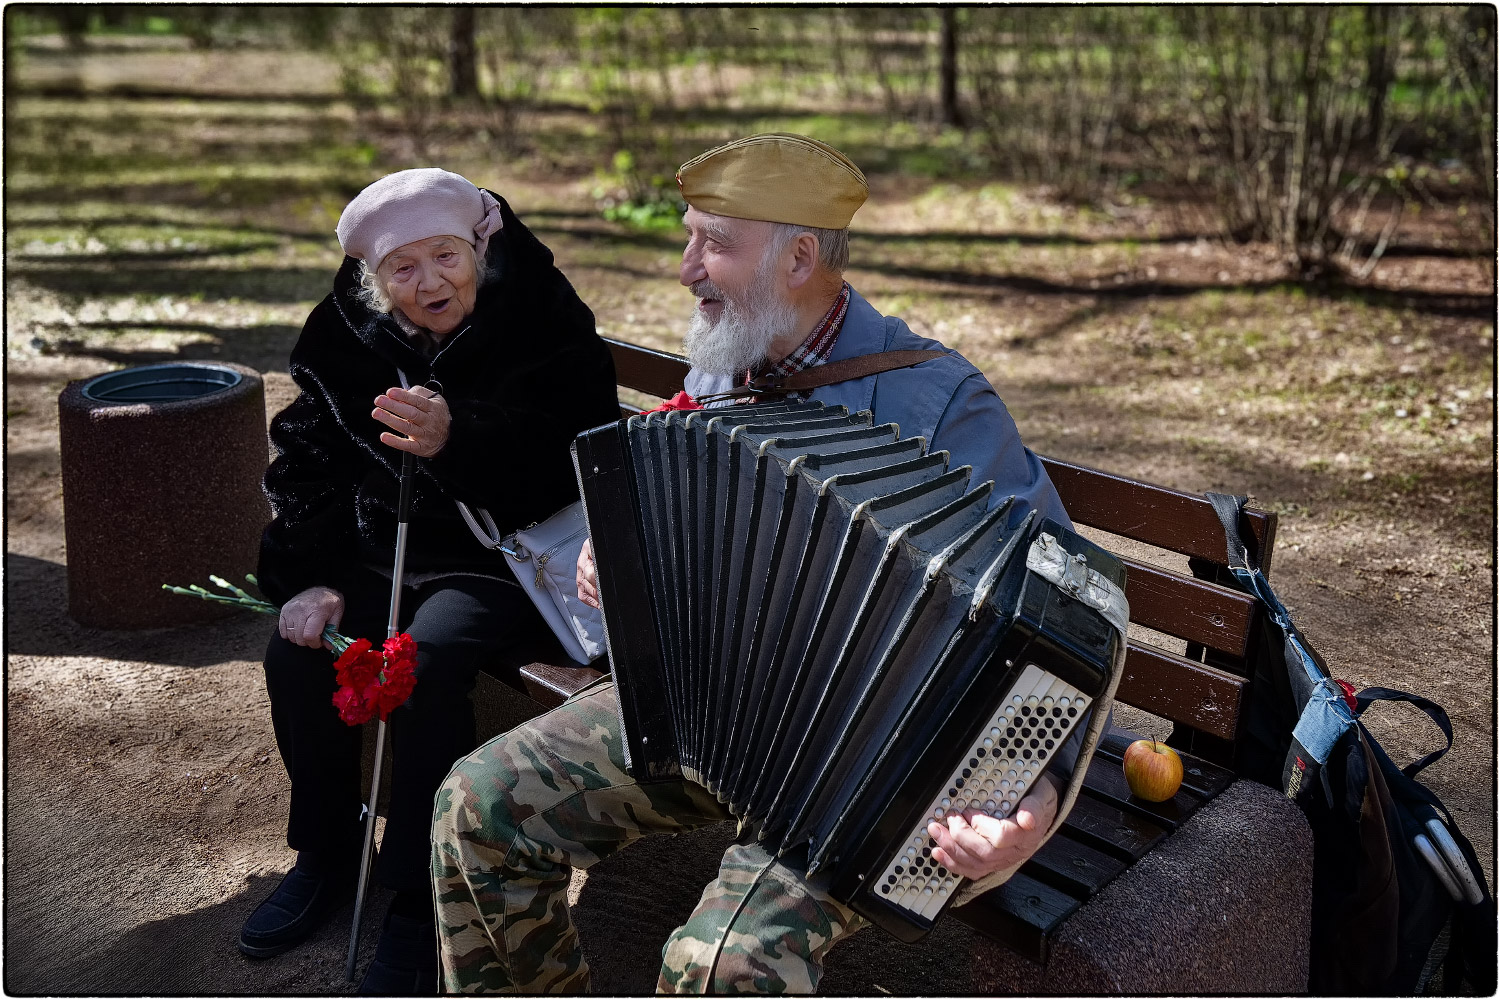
[483,526]
[829,373]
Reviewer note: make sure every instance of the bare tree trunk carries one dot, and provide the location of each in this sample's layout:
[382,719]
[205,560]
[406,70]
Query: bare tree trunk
[1378,75]
[74,22]
[948,70]
[463,70]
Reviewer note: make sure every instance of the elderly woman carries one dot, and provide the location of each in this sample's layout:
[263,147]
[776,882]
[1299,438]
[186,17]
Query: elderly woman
[449,335]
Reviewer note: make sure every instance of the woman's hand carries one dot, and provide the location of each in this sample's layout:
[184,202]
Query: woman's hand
[419,413]
[587,579]
[975,844]
[304,617]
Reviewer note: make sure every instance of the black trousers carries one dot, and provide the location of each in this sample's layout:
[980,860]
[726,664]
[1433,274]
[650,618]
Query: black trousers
[461,625]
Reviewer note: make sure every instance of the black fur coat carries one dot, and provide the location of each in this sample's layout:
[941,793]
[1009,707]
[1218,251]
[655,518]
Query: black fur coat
[522,376]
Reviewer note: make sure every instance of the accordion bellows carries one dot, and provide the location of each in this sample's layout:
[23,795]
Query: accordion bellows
[829,629]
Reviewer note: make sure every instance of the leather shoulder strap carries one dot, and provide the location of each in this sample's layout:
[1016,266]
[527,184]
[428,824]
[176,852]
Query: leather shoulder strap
[847,370]
[827,374]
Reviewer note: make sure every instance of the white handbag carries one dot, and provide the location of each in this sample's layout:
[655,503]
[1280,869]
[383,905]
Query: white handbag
[544,558]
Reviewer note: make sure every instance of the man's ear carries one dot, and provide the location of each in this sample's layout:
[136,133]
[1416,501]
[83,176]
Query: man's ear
[804,260]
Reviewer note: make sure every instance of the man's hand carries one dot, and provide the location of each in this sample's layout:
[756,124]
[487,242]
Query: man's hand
[418,413]
[975,845]
[304,617]
[587,579]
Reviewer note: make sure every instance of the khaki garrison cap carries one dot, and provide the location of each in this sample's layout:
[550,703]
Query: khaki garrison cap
[775,177]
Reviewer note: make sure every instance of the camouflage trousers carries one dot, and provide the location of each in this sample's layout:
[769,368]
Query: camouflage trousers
[514,817]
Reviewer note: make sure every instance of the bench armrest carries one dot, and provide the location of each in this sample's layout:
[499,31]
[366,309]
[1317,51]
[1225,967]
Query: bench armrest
[550,684]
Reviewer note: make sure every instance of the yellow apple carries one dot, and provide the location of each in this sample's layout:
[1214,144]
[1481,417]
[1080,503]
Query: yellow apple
[1152,770]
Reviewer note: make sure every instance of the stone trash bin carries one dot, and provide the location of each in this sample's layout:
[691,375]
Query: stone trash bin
[161,472]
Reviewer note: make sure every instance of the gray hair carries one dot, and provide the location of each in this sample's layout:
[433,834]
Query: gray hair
[833,244]
[372,292]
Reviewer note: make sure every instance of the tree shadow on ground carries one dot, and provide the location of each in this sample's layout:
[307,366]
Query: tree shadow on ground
[191,953]
[226,191]
[79,90]
[37,624]
[1449,492]
[670,240]
[127,219]
[625,237]
[255,284]
[1434,303]
[1362,249]
[136,256]
[264,348]
[997,285]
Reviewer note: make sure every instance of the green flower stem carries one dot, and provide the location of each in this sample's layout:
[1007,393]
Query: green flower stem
[219,581]
[337,640]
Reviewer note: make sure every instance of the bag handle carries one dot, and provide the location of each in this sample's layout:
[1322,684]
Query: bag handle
[830,373]
[1431,709]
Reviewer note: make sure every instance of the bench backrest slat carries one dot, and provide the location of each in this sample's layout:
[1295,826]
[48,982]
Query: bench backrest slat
[1156,515]
[645,370]
[1186,691]
[1190,609]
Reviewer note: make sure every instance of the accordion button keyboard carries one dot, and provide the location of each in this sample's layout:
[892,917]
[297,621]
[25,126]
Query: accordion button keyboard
[1035,717]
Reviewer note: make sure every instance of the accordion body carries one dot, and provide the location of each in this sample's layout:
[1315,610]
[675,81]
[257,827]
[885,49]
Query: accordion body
[830,630]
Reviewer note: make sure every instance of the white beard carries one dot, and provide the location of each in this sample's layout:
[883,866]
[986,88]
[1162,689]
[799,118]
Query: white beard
[740,339]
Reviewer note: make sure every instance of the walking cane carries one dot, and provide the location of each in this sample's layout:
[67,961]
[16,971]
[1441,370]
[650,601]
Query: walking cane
[402,511]
[398,572]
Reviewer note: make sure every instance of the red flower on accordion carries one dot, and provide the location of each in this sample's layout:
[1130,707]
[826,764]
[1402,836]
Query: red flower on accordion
[375,681]
[681,401]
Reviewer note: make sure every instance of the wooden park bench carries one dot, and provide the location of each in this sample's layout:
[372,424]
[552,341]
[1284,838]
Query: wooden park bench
[1192,648]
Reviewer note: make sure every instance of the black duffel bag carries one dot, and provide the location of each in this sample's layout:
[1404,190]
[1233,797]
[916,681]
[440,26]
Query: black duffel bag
[1398,892]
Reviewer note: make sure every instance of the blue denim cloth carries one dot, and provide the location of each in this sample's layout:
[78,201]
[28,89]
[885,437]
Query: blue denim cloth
[1324,719]
[1325,714]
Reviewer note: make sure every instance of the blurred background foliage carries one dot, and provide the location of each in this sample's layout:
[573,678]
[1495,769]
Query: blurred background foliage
[1313,128]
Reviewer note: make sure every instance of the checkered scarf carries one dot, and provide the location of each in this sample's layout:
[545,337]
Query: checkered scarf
[815,349]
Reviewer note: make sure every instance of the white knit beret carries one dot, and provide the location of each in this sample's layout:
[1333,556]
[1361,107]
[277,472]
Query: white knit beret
[412,205]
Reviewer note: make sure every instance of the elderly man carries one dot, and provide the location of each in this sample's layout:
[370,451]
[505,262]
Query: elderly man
[767,243]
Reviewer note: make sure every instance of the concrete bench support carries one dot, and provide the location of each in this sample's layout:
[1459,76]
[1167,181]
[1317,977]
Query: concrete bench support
[1221,906]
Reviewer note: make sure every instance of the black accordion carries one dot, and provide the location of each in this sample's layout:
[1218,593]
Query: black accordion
[822,624]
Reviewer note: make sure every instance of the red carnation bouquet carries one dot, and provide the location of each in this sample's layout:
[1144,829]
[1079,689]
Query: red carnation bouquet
[375,680]
[371,681]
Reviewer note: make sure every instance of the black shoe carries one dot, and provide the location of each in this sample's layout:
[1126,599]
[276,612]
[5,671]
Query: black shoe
[405,963]
[297,908]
